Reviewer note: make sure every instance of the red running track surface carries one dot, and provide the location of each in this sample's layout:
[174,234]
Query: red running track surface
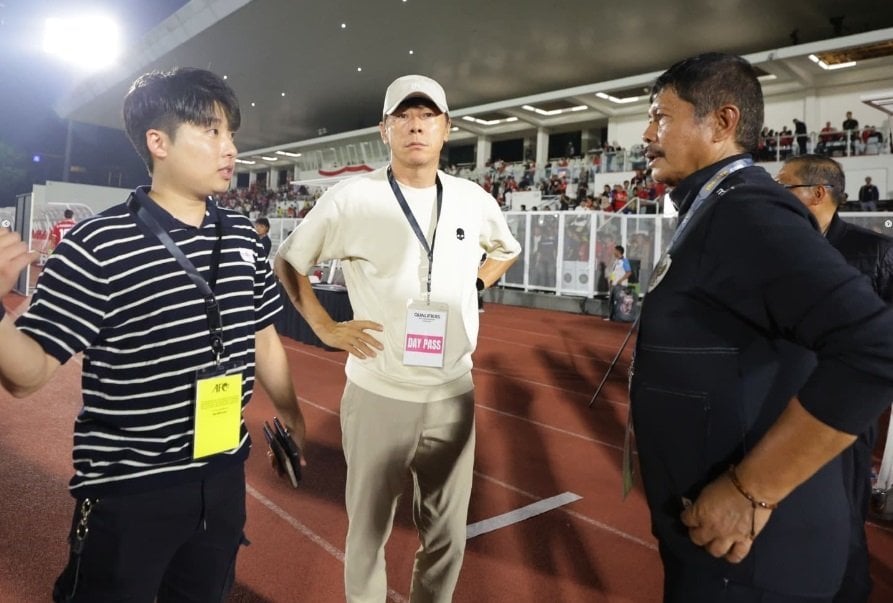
[535,372]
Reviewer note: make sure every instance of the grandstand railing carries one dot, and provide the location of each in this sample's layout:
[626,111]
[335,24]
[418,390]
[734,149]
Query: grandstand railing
[571,253]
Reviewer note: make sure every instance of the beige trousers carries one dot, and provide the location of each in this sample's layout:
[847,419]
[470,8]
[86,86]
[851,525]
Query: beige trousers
[383,439]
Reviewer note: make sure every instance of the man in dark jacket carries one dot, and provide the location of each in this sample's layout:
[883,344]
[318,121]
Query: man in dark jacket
[262,226]
[869,195]
[802,137]
[819,183]
[739,449]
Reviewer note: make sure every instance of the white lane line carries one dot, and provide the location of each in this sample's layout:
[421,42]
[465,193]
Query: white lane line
[581,517]
[315,538]
[550,427]
[879,526]
[328,547]
[477,369]
[592,522]
[595,523]
[584,396]
[527,334]
[532,510]
[319,406]
[557,352]
[503,413]
[305,352]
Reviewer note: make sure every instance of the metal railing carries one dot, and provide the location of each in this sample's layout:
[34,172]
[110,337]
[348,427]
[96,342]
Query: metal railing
[571,253]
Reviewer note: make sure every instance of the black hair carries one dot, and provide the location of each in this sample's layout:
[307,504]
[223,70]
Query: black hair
[163,100]
[68,213]
[709,81]
[619,248]
[262,222]
[818,169]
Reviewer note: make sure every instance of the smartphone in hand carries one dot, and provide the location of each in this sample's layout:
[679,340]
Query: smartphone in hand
[285,450]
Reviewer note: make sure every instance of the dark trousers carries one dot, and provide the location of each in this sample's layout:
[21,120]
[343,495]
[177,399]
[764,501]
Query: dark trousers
[613,292]
[857,583]
[175,544]
[687,583]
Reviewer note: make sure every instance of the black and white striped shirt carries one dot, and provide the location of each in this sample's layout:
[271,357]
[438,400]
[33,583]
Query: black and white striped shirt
[115,293]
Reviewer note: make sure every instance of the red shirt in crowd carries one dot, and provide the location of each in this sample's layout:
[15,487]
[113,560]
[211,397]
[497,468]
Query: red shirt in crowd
[620,199]
[60,229]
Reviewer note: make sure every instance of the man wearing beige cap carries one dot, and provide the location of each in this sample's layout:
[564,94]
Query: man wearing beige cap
[410,239]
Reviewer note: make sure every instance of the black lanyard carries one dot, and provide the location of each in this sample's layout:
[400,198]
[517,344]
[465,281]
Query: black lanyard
[429,249]
[144,218]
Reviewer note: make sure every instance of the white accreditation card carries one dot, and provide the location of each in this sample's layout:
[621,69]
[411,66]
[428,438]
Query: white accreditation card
[425,333]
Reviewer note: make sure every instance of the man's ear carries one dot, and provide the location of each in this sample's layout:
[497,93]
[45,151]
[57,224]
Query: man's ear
[383,130]
[726,122]
[157,142]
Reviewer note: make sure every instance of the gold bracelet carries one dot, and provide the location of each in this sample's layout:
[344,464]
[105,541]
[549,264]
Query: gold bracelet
[754,503]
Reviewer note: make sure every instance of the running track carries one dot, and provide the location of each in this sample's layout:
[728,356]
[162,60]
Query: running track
[535,371]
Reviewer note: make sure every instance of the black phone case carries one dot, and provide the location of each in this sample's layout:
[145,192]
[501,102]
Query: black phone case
[282,445]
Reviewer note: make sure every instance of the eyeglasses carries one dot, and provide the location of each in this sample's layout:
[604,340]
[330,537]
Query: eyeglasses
[790,186]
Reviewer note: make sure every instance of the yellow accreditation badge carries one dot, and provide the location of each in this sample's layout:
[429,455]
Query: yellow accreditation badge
[218,412]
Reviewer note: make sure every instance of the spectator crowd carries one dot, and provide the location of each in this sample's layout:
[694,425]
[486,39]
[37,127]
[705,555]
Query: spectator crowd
[566,183]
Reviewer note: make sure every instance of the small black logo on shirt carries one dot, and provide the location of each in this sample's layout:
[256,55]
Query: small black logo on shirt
[460,234]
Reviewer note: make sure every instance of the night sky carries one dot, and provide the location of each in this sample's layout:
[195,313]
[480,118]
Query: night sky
[31,82]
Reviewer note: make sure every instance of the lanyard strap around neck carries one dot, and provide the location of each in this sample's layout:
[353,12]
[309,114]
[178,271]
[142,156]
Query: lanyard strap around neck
[704,194]
[145,218]
[429,249]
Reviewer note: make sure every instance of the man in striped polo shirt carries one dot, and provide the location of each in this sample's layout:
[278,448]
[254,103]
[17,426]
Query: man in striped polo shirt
[172,303]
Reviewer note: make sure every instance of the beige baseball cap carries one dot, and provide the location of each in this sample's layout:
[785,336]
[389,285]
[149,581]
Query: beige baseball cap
[410,86]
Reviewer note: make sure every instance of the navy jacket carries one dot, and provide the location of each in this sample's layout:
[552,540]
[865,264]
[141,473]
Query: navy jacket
[710,376]
[869,252]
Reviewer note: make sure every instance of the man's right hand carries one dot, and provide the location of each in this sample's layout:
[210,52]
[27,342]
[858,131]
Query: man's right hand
[14,257]
[351,336]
